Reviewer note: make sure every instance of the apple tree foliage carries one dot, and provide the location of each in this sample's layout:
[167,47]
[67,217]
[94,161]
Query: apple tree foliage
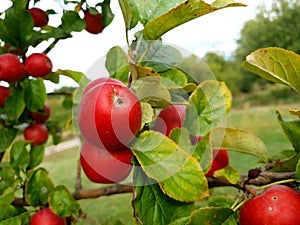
[169,182]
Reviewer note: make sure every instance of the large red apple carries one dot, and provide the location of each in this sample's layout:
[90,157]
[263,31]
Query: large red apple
[4,93]
[277,205]
[39,16]
[109,115]
[37,133]
[169,118]
[38,65]
[101,166]
[41,117]
[46,217]
[93,22]
[11,69]
[101,80]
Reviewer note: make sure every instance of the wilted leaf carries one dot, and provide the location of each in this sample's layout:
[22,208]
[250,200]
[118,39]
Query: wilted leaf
[178,174]
[147,113]
[62,202]
[152,206]
[210,215]
[291,129]
[138,71]
[240,141]
[38,188]
[275,64]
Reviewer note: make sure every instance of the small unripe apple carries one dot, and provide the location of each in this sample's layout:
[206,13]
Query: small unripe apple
[38,65]
[101,166]
[109,115]
[46,217]
[93,22]
[39,16]
[37,133]
[100,80]
[41,117]
[11,69]
[169,118]
[277,205]
[4,93]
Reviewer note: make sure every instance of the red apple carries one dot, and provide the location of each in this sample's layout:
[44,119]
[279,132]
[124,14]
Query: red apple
[46,217]
[38,65]
[277,205]
[11,69]
[93,22]
[169,118]
[109,115]
[220,161]
[4,93]
[101,80]
[37,133]
[39,16]
[41,117]
[101,166]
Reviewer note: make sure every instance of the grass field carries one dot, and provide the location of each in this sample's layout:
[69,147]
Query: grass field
[116,209]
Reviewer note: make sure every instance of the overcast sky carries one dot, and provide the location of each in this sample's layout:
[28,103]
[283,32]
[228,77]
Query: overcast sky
[217,31]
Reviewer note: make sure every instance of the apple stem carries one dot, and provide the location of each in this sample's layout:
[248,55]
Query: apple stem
[277,182]
[238,205]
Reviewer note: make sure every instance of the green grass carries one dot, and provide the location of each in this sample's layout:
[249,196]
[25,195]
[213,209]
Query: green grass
[116,209]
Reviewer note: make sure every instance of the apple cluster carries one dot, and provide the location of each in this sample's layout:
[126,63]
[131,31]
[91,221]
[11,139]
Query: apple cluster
[173,117]
[15,67]
[109,117]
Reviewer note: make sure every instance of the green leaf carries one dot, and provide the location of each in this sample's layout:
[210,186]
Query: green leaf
[143,89]
[209,104]
[38,188]
[178,174]
[15,104]
[220,201]
[34,94]
[275,64]
[107,14]
[298,171]
[71,21]
[229,173]
[18,18]
[291,129]
[210,215]
[8,178]
[240,141]
[147,113]
[117,64]
[55,130]
[19,156]
[130,13]
[173,78]
[78,77]
[7,135]
[162,16]
[36,155]
[152,206]
[62,202]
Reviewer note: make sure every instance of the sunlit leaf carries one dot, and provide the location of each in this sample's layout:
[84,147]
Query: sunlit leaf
[78,77]
[178,174]
[71,21]
[231,174]
[240,141]
[275,64]
[19,156]
[34,94]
